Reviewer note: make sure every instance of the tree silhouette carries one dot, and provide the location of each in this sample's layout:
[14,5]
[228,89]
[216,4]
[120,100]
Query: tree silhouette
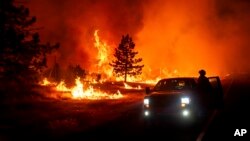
[125,63]
[22,55]
[73,72]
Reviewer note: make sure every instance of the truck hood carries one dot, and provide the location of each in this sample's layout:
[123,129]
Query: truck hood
[166,98]
[167,93]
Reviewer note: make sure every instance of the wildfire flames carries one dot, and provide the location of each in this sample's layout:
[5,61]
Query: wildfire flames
[126,86]
[103,56]
[45,82]
[62,87]
[102,67]
[208,34]
[80,92]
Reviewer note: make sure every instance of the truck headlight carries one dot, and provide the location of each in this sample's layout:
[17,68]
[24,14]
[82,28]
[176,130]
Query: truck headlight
[185,100]
[146,113]
[146,102]
[185,113]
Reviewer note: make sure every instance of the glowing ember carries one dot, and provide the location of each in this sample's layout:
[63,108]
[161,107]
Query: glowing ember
[130,79]
[130,87]
[127,86]
[46,82]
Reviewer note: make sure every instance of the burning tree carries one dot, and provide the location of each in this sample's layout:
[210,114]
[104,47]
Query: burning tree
[126,63]
[22,55]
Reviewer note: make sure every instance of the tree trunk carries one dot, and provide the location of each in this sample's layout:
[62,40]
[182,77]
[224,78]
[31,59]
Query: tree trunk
[126,67]
[125,75]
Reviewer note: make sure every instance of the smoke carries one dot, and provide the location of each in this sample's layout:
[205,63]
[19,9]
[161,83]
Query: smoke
[187,36]
[233,33]
[172,35]
[73,22]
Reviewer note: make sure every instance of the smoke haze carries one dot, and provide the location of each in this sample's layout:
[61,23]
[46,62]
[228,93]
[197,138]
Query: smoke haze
[173,35]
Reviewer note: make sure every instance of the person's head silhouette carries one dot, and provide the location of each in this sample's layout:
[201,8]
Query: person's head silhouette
[202,72]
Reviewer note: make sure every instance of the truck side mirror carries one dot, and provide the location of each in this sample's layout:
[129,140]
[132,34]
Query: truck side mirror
[147,90]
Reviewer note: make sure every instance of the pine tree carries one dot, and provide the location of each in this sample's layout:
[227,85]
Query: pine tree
[125,62]
[22,55]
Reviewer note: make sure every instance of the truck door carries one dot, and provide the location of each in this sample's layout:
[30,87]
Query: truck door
[217,91]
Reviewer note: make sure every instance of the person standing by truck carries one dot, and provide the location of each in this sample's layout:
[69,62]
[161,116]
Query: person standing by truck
[205,91]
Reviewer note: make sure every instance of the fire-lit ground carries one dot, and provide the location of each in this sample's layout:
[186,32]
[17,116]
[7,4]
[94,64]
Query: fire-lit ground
[43,118]
[53,114]
[62,117]
[88,90]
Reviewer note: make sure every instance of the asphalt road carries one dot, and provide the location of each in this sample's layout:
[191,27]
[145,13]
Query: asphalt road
[235,114]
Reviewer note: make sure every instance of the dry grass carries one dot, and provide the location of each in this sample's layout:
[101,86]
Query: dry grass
[35,115]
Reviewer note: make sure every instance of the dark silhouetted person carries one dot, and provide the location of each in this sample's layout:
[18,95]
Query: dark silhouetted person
[205,91]
[203,82]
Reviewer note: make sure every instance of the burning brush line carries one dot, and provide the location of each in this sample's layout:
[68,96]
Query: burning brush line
[79,92]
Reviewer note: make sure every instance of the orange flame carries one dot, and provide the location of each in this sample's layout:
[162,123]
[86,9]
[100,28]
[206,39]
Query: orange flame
[79,92]
[126,86]
[62,87]
[46,82]
[103,56]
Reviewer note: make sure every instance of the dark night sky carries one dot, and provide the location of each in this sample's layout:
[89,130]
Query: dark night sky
[171,34]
